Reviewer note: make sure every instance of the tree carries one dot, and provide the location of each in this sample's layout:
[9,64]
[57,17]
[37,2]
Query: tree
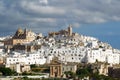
[6,71]
[33,66]
[83,71]
[69,74]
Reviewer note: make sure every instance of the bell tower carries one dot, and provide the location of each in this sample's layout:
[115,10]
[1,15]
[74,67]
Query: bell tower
[70,30]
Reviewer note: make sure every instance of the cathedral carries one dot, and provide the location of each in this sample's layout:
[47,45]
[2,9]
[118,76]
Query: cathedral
[67,32]
[21,37]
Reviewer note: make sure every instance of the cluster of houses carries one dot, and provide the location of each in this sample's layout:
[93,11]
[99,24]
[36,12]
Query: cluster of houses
[27,48]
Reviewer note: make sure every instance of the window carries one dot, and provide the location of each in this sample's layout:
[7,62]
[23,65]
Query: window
[75,54]
[75,51]
[67,68]
[72,51]
[69,51]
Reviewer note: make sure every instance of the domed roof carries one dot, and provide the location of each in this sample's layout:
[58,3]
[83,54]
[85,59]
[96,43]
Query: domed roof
[20,30]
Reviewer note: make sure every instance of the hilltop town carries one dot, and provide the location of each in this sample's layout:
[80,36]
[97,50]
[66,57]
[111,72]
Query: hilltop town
[65,47]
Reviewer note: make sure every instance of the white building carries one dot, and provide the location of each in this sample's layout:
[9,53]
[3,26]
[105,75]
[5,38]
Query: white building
[67,47]
[28,59]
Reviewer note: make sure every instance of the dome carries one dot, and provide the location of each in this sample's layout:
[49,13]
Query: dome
[20,30]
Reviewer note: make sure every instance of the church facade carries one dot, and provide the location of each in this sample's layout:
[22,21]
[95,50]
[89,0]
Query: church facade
[20,38]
